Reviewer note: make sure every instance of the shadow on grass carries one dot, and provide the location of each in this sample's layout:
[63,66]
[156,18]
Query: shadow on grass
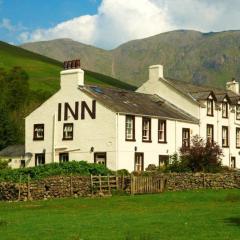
[3,223]
[235,221]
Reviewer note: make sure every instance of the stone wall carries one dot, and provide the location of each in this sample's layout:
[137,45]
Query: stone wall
[79,186]
[52,187]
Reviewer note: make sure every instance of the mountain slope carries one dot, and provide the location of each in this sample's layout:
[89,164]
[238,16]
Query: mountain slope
[192,56]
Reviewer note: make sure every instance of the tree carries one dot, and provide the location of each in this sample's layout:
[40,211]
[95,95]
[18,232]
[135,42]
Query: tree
[201,155]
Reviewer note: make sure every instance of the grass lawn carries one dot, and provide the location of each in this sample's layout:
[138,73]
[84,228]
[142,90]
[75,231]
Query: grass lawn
[205,214]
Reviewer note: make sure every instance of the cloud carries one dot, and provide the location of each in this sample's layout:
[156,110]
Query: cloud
[7,25]
[118,21]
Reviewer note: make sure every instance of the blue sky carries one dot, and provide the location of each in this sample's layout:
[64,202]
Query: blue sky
[109,23]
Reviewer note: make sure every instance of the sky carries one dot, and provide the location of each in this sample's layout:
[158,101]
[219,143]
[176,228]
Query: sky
[109,23]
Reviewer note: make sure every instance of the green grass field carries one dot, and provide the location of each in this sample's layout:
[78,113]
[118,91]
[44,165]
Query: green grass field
[205,214]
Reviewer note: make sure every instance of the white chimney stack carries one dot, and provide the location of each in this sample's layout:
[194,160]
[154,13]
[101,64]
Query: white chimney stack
[233,86]
[72,76]
[155,72]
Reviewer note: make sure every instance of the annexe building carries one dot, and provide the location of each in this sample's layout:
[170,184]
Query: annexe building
[130,130]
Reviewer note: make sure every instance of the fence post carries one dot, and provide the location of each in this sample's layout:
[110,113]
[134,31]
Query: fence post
[109,187]
[71,187]
[91,184]
[100,183]
[122,182]
[132,184]
[28,188]
[19,188]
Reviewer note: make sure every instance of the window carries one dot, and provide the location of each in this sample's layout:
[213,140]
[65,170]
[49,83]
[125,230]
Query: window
[22,164]
[162,131]
[163,160]
[238,137]
[186,137]
[233,162]
[67,131]
[39,159]
[210,107]
[63,157]
[238,112]
[210,136]
[38,132]
[225,110]
[146,129]
[100,158]
[225,136]
[139,162]
[130,128]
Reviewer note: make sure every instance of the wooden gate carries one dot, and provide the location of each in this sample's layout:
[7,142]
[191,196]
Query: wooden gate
[146,184]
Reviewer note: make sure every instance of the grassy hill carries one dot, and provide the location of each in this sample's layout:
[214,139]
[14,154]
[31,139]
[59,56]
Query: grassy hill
[203,58]
[44,72]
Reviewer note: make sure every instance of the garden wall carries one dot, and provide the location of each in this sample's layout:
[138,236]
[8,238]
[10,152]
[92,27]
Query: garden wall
[79,186]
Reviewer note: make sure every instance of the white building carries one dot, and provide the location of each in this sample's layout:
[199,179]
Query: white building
[131,130]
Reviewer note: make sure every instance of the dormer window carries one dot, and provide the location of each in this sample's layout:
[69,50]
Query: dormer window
[238,112]
[210,107]
[38,132]
[225,110]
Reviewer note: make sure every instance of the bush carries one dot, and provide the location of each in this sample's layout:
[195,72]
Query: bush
[201,156]
[80,168]
[121,172]
[3,164]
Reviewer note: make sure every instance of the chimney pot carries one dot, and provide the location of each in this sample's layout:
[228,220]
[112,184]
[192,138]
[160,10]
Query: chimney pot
[71,64]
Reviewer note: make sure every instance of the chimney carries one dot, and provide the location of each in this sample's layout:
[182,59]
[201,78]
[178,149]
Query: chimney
[233,86]
[155,72]
[72,76]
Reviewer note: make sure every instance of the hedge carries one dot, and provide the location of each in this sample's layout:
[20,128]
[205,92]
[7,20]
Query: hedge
[76,168]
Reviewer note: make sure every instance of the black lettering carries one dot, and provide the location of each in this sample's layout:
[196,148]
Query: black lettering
[92,113]
[73,113]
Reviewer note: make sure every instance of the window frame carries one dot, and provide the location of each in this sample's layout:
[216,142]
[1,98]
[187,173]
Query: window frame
[188,140]
[225,104]
[164,159]
[64,137]
[105,158]
[62,154]
[36,159]
[237,129]
[144,119]
[164,131]
[35,126]
[238,112]
[212,137]
[227,137]
[133,128]
[211,114]
[142,161]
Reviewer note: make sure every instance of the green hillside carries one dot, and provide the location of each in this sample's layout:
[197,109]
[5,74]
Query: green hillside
[44,72]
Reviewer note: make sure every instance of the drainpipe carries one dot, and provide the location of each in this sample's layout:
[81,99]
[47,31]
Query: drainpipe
[53,139]
[116,146]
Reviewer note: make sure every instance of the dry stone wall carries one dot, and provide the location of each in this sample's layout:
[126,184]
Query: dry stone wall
[80,186]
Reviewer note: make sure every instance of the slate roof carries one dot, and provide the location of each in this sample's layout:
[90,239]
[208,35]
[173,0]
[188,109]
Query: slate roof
[129,102]
[202,92]
[13,151]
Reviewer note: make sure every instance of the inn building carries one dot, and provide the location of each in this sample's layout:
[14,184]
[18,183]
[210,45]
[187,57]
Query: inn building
[130,130]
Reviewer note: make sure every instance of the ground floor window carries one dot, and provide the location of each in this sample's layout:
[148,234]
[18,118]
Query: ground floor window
[233,162]
[139,162]
[22,164]
[186,137]
[100,158]
[163,160]
[63,157]
[39,159]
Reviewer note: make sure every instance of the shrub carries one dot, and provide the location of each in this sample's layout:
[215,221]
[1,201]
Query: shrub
[200,156]
[3,164]
[121,172]
[81,168]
